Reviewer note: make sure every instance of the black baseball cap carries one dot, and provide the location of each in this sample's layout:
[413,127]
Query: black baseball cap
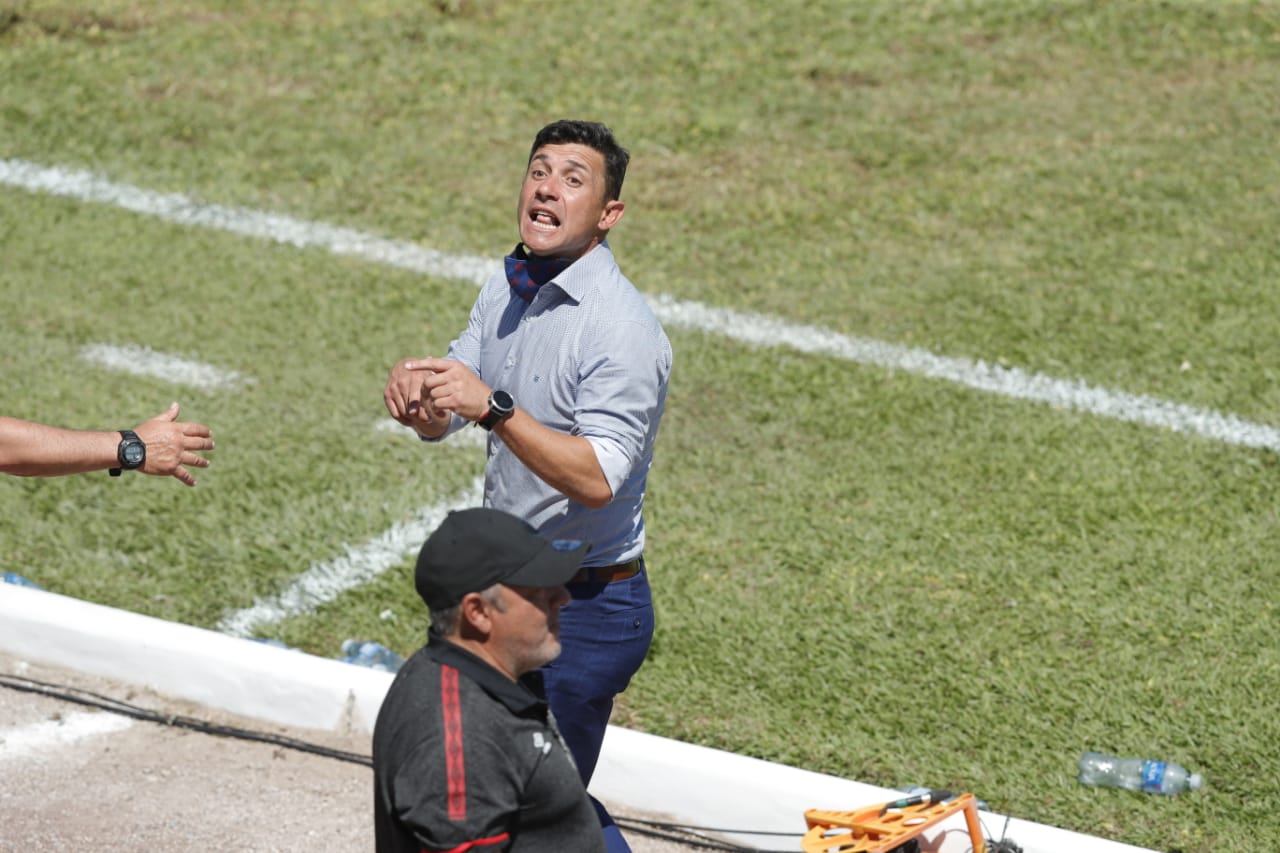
[473,549]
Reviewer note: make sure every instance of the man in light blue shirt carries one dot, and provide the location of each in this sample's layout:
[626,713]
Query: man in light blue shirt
[565,364]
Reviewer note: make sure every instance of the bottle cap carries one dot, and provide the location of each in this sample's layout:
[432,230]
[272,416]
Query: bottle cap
[1195,782]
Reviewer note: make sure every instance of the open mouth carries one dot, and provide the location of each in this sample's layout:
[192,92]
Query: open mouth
[544,219]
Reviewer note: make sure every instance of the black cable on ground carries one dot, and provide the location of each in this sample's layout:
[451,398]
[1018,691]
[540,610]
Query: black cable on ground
[687,834]
[692,836]
[96,700]
[81,696]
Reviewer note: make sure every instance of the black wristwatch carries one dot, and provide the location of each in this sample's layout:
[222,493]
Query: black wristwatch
[501,407]
[131,453]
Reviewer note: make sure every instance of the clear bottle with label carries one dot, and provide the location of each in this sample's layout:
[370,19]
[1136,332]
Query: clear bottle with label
[1137,774]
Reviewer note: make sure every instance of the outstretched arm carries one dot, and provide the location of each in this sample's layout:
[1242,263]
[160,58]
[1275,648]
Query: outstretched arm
[29,449]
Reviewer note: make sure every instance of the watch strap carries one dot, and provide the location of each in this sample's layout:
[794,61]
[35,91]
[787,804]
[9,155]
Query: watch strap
[495,414]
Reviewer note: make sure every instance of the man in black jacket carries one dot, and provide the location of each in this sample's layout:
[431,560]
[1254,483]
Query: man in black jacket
[466,754]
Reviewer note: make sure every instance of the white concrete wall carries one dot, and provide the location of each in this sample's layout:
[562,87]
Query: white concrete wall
[693,784]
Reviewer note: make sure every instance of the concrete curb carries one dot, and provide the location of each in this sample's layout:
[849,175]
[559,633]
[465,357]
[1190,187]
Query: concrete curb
[241,676]
[693,784]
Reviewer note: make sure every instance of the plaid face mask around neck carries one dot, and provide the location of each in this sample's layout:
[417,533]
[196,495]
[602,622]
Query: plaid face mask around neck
[526,273]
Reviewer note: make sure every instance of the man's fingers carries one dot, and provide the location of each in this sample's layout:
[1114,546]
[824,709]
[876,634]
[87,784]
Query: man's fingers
[401,398]
[392,402]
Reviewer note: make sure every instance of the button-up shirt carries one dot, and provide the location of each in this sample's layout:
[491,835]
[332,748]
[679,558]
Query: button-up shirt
[587,357]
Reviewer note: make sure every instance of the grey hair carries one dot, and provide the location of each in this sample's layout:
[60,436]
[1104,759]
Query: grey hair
[446,621]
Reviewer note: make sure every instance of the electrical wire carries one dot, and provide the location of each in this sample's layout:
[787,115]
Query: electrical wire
[89,698]
[693,836]
[683,833]
[688,834]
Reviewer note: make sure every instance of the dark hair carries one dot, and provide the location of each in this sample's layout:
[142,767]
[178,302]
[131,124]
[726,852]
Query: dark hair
[594,135]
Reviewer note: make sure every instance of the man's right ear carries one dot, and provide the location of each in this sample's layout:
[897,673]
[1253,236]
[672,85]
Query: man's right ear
[473,615]
[612,212]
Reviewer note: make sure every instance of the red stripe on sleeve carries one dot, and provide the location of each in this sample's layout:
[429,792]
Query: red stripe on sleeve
[455,765]
[478,843]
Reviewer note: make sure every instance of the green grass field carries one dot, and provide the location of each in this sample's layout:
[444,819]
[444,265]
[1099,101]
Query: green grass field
[858,569]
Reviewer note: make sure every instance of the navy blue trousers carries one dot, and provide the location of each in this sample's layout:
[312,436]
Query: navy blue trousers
[605,632]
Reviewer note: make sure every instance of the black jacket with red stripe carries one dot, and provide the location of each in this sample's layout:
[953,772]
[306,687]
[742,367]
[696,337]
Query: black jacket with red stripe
[465,759]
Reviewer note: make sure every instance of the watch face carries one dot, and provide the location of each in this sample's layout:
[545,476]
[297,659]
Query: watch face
[134,453]
[503,402]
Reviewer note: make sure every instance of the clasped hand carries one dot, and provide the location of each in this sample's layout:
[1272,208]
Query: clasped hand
[422,392]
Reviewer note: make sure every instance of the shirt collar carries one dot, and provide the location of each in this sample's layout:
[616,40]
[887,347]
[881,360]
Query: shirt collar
[585,272]
[520,697]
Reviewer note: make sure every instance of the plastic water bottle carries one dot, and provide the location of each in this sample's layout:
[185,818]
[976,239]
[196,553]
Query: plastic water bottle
[18,580]
[370,654]
[1137,774]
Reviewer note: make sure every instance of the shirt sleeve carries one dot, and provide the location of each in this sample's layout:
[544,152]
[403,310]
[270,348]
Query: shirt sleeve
[480,808]
[621,387]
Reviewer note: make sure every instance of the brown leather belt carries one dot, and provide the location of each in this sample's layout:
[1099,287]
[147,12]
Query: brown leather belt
[608,574]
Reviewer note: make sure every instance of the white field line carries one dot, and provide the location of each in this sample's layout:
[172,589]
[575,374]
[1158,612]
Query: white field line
[323,582]
[144,361]
[50,734]
[753,329]
[763,331]
[185,210]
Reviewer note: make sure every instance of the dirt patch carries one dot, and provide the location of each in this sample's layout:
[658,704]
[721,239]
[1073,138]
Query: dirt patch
[152,786]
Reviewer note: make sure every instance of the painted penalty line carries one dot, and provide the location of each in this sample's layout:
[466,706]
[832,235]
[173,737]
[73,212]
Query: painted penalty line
[325,581]
[748,328]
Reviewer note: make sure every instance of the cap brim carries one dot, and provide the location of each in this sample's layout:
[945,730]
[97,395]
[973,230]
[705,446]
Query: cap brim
[554,565]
